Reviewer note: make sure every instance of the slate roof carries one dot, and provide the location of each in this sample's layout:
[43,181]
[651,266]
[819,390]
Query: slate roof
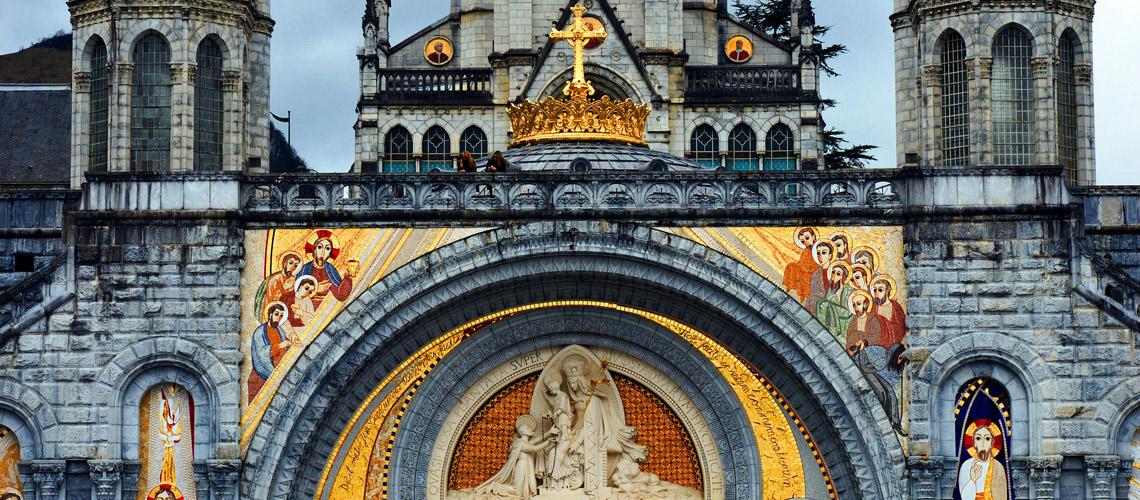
[35,136]
[560,156]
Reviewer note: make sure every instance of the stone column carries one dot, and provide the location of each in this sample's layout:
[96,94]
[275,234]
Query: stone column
[1046,111]
[182,116]
[232,145]
[224,476]
[1086,125]
[931,114]
[120,132]
[105,477]
[974,106]
[1043,473]
[80,126]
[48,477]
[981,127]
[1102,471]
[131,470]
[202,479]
[924,476]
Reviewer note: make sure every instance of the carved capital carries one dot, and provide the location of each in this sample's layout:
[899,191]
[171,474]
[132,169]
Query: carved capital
[1044,472]
[971,68]
[1102,471]
[180,72]
[1041,65]
[986,67]
[48,476]
[932,75]
[82,81]
[105,476]
[1083,73]
[125,72]
[231,80]
[223,476]
[925,474]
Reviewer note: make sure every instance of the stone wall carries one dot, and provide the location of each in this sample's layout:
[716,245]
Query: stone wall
[155,302]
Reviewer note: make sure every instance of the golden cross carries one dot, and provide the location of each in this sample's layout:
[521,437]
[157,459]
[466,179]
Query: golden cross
[578,35]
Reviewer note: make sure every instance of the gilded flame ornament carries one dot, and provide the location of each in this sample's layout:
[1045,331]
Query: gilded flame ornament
[578,119]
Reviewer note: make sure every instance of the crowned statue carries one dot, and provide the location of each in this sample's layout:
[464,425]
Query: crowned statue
[575,444]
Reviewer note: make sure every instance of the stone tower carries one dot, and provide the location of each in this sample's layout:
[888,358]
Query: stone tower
[995,83]
[170,86]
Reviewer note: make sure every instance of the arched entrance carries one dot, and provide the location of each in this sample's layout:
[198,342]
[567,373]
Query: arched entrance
[626,265]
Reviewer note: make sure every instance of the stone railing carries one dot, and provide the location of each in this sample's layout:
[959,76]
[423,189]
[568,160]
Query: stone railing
[743,83]
[432,86]
[547,195]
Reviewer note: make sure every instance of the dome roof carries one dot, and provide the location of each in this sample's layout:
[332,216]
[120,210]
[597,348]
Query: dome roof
[584,156]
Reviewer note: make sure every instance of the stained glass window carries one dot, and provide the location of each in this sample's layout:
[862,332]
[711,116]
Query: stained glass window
[955,101]
[704,146]
[742,148]
[437,150]
[1013,98]
[398,150]
[100,97]
[150,106]
[779,145]
[473,141]
[1067,105]
[208,107]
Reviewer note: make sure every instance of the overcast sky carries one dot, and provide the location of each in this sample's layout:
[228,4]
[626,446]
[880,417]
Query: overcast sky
[315,73]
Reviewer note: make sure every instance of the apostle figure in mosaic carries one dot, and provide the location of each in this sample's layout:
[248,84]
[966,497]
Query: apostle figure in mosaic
[866,256]
[861,277]
[890,312]
[842,244]
[864,329]
[324,249]
[268,345]
[274,287]
[830,303]
[982,476]
[797,274]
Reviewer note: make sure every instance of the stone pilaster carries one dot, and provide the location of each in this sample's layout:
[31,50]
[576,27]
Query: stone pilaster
[1101,472]
[131,470]
[1046,111]
[924,476]
[181,118]
[120,132]
[981,126]
[1043,473]
[932,114]
[48,478]
[224,476]
[105,477]
[80,123]
[232,148]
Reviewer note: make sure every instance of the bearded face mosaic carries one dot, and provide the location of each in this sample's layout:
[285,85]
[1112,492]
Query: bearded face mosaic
[851,279]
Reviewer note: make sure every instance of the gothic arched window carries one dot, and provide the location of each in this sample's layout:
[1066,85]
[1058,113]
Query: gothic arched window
[1067,153]
[704,146]
[100,97]
[150,105]
[742,148]
[473,141]
[955,101]
[437,150]
[209,107]
[1013,98]
[398,150]
[779,148]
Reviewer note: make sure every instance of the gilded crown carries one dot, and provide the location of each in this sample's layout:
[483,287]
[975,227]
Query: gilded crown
[578,119]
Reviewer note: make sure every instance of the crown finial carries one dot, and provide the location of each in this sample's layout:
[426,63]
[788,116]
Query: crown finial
[578,119]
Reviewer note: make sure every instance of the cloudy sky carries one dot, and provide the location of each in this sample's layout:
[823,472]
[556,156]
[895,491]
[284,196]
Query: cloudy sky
[315,71]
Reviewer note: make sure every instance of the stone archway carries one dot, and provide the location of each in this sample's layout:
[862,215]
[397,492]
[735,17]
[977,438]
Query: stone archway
[606,82]
[587,260]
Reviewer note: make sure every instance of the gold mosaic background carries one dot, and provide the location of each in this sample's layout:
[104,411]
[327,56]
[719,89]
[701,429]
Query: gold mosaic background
[483,446]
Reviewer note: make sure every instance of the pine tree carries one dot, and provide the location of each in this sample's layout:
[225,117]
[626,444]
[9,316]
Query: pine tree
[774,17]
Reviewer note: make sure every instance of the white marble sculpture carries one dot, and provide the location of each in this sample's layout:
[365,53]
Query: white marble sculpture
[574,444]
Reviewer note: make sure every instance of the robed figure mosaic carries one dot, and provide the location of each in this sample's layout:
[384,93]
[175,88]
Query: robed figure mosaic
[983,430]
[11,488]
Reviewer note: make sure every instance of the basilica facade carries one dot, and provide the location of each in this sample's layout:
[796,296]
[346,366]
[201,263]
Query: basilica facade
[657,290]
